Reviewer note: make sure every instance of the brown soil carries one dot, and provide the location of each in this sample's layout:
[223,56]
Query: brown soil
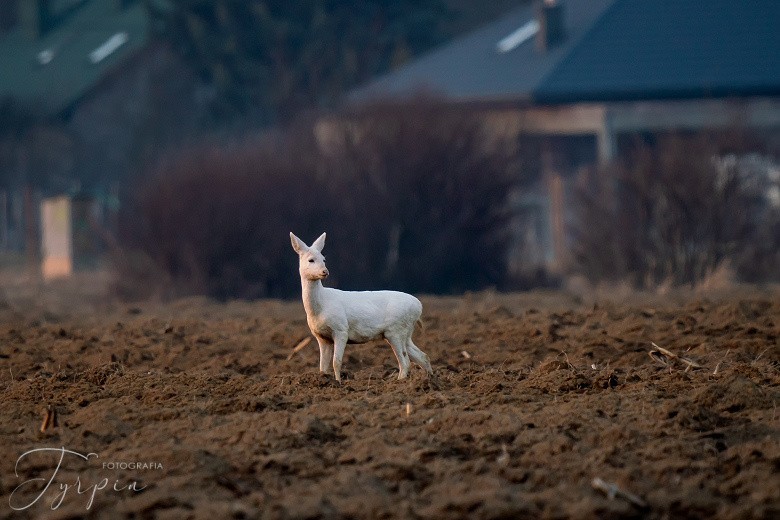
[534,396]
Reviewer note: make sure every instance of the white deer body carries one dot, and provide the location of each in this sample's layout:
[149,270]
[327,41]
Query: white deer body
[339,317]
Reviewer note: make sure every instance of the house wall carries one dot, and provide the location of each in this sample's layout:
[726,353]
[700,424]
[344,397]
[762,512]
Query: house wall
[142,108]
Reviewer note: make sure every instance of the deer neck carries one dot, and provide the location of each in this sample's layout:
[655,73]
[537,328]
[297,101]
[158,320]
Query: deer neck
[312,295]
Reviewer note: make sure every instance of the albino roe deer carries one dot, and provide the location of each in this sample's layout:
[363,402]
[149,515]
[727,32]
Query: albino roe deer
[339,317]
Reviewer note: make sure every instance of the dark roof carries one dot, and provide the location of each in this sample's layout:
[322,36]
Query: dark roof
[614,50]
[673,48]
[70,74]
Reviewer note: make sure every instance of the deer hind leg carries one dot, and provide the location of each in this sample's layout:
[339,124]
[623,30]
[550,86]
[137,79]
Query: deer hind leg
[398,344]
[418,356]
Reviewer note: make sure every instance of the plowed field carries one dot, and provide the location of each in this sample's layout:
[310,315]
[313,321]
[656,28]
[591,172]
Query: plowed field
[196,409]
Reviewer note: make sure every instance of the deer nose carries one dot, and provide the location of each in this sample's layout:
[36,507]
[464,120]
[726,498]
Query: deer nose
[325,273]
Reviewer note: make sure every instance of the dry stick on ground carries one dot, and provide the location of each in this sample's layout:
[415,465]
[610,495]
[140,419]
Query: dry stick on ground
[612,490]
[302,343]
[662,356]
[715,372]
[368,385]
[571,367]
[49,418]
[759,356]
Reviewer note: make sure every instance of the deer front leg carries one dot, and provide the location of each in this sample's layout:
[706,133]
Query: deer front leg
[326,353]
[339,344]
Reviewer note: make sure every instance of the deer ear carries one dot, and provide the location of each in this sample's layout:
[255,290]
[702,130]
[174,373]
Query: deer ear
[297,244]
[318,244]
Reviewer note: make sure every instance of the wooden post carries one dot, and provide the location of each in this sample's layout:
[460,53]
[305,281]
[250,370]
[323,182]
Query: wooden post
[607,147]
[57,237]
[554,183]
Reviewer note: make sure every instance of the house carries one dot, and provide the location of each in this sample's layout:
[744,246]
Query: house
[93,94]
[584,76]
[55,55]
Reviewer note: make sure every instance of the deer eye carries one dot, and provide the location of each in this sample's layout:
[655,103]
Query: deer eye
[311,260]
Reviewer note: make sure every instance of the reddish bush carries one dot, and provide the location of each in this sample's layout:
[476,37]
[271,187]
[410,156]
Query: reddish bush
[413,198]
[214,219]
[424,191]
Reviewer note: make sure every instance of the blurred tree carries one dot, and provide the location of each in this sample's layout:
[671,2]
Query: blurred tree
[15,121]
[268,58]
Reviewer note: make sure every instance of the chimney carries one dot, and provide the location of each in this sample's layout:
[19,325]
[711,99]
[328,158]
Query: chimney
[35,17]
[552,28]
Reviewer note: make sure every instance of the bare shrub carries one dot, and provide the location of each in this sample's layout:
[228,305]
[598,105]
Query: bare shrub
[424,190]
[212,219]
[672,213]
[758,258]
[414,197]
